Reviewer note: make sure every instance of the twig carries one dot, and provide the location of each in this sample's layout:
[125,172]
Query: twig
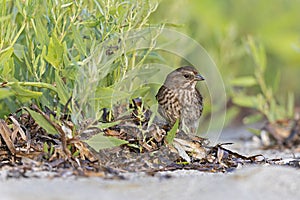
[251,158]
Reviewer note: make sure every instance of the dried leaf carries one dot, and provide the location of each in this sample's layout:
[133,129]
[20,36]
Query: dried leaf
[181,151]
[5,132]
[20,130]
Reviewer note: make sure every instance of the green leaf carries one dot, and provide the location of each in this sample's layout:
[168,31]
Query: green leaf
[108,125]
[41,32]
[246,101]
[70,71]
[252,118]
[78,40]
[8,71]
[275,81]
[18,34]
[5,92]
[45,148]
[55,52]
[172,133]
[67,5]
[100,141]
[19,51]
[41,121]
[22,92]
[142,73]
[5,55]
[245,81]
[254,131]
[61,89]
[4,18]
[42,66]
[258,54]
[140,92]
[106,96]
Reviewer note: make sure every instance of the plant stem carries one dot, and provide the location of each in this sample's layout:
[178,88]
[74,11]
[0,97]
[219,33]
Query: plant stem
[33,84]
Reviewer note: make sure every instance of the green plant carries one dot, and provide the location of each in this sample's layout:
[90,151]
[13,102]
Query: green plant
[44,46]
[266,101]
[55,51]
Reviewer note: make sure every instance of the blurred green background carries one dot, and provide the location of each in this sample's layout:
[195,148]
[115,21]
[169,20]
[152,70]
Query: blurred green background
[222,27]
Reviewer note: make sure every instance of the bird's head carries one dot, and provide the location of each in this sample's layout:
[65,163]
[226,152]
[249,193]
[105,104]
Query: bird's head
[183,77]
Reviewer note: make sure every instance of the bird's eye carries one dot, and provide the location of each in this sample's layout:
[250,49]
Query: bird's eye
[187,76]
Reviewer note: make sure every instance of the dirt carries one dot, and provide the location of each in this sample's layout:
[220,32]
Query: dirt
[264,181]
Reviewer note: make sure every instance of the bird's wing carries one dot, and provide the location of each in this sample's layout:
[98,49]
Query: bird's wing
[169,106]
[199,100]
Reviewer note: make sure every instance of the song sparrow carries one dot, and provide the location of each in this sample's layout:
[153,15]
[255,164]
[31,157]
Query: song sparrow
[179,98]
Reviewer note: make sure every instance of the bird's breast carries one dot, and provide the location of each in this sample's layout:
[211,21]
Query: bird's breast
[191,102]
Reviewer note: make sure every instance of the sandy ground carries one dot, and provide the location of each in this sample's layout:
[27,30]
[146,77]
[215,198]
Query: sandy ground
[247,182]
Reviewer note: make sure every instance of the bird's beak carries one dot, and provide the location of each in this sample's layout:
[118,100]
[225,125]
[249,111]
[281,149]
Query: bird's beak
[198,77]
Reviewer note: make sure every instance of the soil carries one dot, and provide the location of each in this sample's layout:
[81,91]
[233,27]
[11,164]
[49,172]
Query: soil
[263,181]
